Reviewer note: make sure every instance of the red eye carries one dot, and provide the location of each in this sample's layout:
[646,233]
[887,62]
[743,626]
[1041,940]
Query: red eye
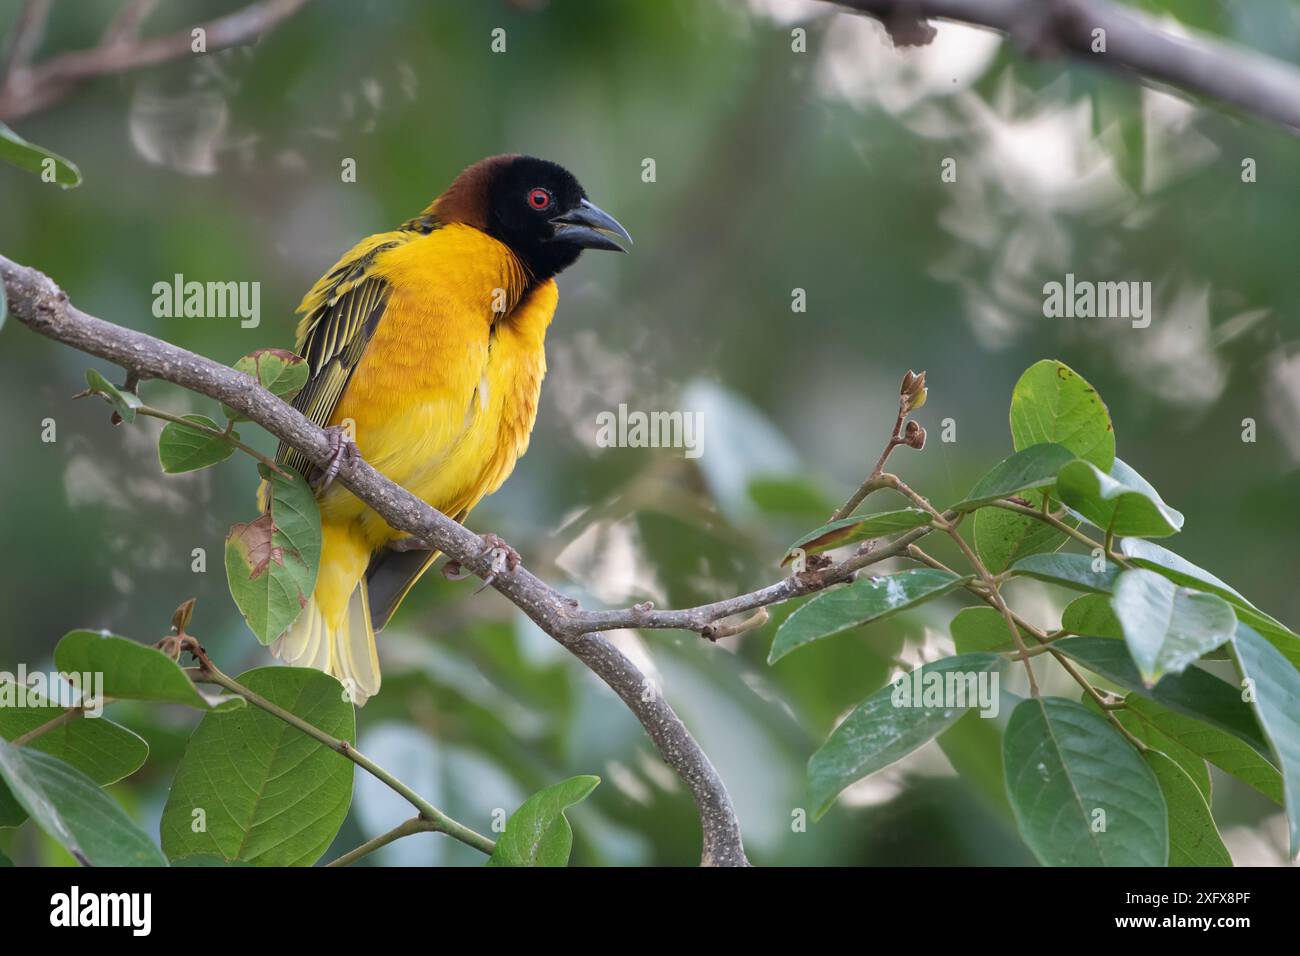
[539,198]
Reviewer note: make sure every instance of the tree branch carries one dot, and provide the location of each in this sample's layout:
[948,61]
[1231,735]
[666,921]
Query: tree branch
[702,617]
[38,303]
[21,44]
[34,88]
[1135,44]
[126,25]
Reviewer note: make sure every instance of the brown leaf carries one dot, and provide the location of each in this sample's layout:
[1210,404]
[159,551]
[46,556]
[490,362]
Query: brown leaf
[284,355]
[255,541]
[181,619]
[824,542]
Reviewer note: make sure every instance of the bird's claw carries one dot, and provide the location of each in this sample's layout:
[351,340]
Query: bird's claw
[342,448]
[504,558]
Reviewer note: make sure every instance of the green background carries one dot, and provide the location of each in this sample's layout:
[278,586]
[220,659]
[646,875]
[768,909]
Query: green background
[775,170]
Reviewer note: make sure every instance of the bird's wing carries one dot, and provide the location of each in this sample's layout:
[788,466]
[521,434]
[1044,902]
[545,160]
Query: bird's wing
[341,313]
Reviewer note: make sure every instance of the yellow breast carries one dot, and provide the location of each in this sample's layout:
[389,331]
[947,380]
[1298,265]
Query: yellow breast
[445,396]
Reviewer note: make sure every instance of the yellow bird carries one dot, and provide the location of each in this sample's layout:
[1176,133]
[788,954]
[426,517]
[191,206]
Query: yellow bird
[426,348]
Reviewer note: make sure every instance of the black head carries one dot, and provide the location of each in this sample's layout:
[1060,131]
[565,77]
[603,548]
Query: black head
[535,207]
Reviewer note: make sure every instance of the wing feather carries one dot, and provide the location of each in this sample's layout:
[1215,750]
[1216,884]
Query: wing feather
[342,312]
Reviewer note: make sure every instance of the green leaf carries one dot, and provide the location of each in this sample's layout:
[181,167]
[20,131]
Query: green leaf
[976,629]
[1033,468]
[1092,616]
[71,808]
[271,562]
[1071,570]
[1147,554]
[1081,794]
[205,859]
[102,750]
[181,448]
[1121,502]
[279,371]
[538,833]
[866,599]
[1276,701]
[11,811]
[857,528]
[1195,692]
[1226,751]
[973,745]
[251,787]
[893,722]
[35,159]
[124,403]
[133,671]
[1002,537]
[1052,403]
[1193,838]
[1168,627]
[1192,764]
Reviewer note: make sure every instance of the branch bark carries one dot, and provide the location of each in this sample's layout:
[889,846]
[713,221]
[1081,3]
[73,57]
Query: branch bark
[24,37]
[1135,44]
[29,89]
[40,304]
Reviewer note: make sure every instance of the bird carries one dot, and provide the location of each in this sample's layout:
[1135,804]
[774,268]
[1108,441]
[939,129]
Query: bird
[426,353]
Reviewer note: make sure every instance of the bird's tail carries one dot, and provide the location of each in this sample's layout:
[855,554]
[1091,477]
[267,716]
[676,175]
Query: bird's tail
[334,633]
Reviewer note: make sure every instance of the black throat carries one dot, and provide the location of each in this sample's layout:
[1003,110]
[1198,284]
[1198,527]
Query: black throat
[543,259]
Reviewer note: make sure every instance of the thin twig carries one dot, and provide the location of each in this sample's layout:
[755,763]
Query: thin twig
[1045,641]
[225,436]
[994,595]
[407,828]
[797,585]
[125,25]
[24,38]
[48,82]
[872,483]
[1092,544]
[910,396]
[69,715]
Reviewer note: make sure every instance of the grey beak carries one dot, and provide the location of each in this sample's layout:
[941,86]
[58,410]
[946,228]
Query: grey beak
[587,225]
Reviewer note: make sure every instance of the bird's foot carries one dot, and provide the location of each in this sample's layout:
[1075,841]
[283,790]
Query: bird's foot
[504,558]
[342,448]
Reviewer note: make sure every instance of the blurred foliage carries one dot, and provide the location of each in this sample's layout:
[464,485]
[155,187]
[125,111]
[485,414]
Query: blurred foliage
[776,171]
